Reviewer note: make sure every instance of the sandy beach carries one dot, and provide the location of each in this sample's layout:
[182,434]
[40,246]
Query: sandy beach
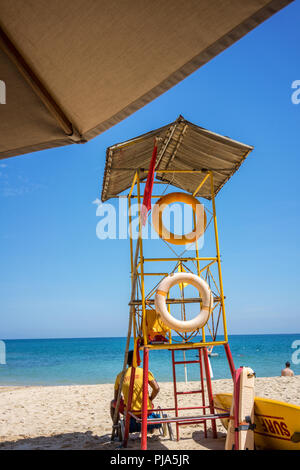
[77,416]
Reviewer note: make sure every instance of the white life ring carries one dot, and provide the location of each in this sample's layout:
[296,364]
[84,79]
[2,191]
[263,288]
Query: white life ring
[205,293]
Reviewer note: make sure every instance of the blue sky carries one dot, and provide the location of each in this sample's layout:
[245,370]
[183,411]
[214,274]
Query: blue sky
[57,279]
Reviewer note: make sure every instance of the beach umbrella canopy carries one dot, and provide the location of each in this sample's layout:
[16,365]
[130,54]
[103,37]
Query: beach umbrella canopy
[70,70]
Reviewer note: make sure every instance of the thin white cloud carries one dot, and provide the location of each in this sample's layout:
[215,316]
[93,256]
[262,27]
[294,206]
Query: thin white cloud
[17,185]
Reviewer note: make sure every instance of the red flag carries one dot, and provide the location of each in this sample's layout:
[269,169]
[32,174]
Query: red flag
[149,186]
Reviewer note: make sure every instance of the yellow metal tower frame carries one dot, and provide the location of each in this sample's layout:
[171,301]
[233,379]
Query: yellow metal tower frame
[140,301]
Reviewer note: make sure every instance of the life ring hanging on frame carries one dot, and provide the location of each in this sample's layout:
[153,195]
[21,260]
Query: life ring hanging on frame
[199,218]
[204,291]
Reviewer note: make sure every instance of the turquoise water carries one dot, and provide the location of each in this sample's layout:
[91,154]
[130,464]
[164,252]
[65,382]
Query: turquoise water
[98,360]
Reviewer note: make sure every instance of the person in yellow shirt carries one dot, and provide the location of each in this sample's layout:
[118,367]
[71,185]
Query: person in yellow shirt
[137,396]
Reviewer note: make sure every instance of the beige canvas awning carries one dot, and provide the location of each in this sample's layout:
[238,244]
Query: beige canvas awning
[74,68]
[181,146]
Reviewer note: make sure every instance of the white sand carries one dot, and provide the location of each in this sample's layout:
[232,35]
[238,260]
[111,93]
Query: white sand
[77,417]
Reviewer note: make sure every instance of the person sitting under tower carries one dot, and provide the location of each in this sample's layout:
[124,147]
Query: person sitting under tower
[136,404]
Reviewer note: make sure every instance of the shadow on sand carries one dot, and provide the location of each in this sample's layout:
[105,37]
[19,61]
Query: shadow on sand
[89,441]
[77,440]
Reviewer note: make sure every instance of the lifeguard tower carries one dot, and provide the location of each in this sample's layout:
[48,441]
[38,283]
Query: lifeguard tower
[198,163]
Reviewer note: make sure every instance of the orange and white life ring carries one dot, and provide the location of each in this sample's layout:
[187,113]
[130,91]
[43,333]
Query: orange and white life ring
[205,293]
[199,217]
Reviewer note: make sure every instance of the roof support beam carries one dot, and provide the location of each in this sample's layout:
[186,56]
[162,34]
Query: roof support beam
[32,79]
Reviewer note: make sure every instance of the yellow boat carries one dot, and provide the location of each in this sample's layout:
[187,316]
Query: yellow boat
[277,423]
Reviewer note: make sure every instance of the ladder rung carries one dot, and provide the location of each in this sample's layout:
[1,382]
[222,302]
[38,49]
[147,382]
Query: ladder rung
[182,419]
[193,300]
[188,393]
[187,300]
[186,419]
[187,362]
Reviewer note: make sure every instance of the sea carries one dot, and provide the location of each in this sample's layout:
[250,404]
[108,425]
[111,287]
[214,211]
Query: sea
[99,360]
